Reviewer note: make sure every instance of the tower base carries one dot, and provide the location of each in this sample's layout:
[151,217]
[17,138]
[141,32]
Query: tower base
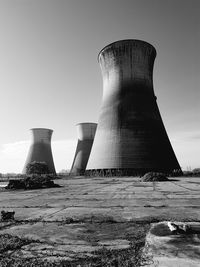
[129,172]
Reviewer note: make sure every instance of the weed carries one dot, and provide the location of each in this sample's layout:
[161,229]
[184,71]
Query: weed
[134,256]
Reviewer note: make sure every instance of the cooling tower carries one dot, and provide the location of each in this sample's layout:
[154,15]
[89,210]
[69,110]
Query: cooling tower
[86,133]
[130,138]
[40,149]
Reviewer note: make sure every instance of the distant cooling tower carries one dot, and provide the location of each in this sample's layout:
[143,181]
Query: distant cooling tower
[86,133]
[130,137]
[40,149]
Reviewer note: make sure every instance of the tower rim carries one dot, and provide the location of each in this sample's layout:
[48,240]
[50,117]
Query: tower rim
[46,129]
[89,123]
[122,41]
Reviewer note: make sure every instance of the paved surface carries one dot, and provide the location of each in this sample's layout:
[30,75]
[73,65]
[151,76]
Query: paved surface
[60,218]
[174,249]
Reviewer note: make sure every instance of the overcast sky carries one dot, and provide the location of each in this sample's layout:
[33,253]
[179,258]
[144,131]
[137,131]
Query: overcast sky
[50,77]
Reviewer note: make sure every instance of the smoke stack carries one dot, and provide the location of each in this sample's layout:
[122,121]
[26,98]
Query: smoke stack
[86,133]
[40,149]
[130,138]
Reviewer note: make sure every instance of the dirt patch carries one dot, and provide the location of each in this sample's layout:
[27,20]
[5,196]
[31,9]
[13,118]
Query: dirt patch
[154,177]
[32,182]
[160,229]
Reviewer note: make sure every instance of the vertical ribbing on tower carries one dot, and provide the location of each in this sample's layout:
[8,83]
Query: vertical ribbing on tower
[130,137]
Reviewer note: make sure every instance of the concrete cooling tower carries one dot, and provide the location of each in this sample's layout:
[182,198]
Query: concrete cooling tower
[130,138]
[40,149]
[86,133]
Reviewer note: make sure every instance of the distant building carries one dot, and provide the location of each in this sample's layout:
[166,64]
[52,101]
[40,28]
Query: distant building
[86,132]
[40,149]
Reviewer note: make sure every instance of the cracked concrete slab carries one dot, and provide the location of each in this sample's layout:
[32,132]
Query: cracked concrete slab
[170,249]
[63,219]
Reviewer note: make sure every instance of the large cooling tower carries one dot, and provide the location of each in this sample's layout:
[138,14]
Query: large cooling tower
[130,137]
[86,133]
[40,149]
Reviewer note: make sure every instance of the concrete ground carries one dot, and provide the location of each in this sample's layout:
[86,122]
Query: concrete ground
[87,213]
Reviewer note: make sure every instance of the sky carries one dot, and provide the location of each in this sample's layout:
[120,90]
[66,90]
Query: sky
[50,77]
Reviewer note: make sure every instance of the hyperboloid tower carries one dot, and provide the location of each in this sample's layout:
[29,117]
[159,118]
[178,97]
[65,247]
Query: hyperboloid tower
[86,132]
[40,149]
[130,138]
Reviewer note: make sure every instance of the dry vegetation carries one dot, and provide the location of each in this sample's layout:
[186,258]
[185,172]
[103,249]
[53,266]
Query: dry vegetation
[32,181]
[154,177]
[136,255]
